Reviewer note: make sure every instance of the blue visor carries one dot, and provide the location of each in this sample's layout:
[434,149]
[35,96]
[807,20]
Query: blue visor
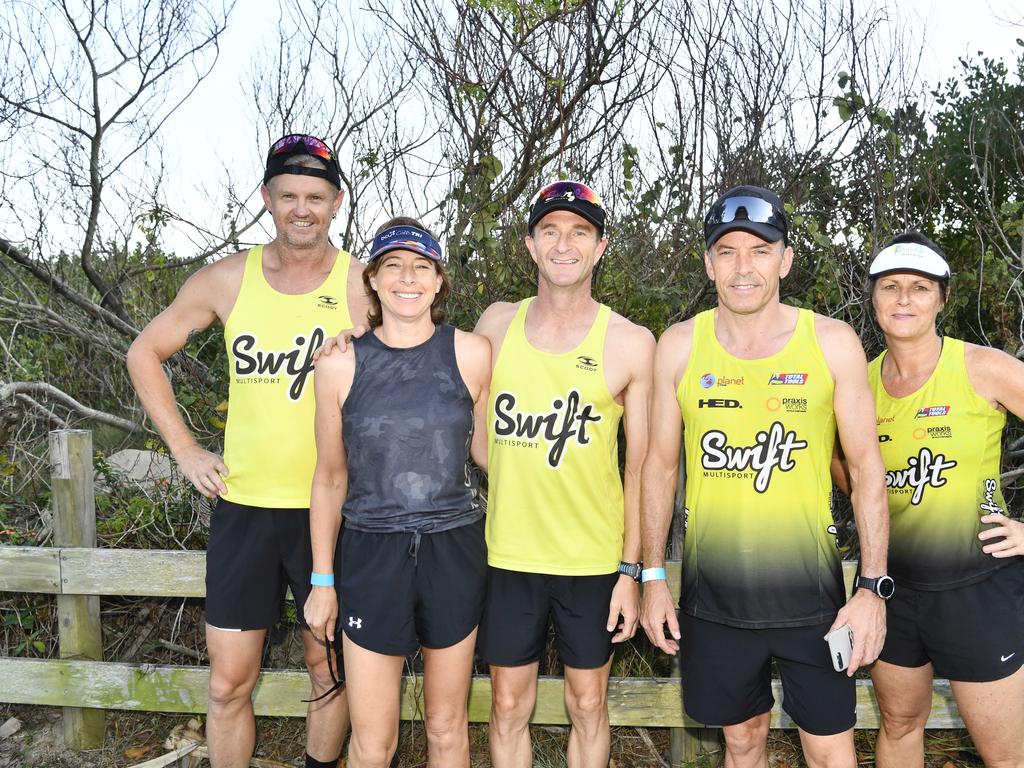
[406,238]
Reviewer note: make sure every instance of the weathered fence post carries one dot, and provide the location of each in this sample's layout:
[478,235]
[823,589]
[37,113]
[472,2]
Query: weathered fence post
[685,744]
[74,525]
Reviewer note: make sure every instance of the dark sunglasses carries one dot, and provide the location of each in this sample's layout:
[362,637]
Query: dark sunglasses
[337,676]
[568,190]
[313,145]
[752,208]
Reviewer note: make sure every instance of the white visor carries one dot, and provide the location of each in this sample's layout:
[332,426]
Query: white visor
[909,257]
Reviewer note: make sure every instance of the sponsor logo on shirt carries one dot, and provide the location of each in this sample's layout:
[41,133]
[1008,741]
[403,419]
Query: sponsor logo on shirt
[326,302]
[940,433]
[773,449]
[790,379]
[789,404]
[709,380]
[718,403]
[922,471]
[565,423]
[932,410]
[263,366]
[585,363]
[884,438]
[989,505]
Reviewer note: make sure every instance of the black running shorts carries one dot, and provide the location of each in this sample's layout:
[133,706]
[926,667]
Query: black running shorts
[972,634]
[514,628]
[727,676]
[401,590]
[253,555]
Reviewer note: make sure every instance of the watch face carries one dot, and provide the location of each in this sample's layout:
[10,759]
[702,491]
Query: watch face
[885,587]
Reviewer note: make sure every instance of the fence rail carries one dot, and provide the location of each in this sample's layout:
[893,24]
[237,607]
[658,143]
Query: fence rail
[78,573]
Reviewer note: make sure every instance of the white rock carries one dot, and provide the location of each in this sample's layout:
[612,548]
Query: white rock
[141,466]
[11,727]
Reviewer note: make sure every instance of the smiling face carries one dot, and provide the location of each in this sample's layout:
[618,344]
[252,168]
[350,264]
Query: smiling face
[747,270]
[907,304]
[405,283]
[565,247]
[302,207]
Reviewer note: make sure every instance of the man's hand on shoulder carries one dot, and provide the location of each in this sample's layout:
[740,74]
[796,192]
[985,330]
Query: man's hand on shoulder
[494,320]
[340,342]
[203,469]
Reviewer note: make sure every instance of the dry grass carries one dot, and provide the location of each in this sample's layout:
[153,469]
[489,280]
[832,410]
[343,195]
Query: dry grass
[135,737]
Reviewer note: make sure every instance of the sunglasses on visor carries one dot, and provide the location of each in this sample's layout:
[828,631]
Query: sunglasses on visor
[568,190]
[313,145]
[753,209]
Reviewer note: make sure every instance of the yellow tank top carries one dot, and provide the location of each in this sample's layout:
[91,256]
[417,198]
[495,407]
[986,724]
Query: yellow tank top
[941,447]
[270,337]
[760,548]
[555,494]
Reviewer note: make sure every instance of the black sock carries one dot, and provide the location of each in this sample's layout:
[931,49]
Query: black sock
[312,762]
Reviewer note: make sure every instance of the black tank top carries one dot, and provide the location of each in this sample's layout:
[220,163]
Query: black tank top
[407,425]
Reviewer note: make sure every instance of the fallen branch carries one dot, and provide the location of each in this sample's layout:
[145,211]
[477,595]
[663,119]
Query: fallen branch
[646,739]
[168,645]
[8,391]
[175,756]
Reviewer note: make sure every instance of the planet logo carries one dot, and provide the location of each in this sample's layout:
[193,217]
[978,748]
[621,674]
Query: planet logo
[707,380]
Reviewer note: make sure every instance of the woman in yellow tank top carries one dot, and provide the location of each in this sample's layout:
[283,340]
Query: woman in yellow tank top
[956,559]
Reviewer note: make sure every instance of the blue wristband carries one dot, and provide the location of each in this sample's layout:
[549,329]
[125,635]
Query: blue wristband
[321,579]
[653,574]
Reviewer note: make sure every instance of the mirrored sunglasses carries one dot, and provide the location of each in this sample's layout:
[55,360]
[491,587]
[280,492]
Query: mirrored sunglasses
[568,190]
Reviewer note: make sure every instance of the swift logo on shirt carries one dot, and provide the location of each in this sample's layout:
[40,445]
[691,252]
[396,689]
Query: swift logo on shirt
[922,471]
[566,420]
[297,362]
[773,448]
[989,506]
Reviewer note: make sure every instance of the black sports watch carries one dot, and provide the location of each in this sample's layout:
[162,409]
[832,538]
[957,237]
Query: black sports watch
[632,570]
[883,586]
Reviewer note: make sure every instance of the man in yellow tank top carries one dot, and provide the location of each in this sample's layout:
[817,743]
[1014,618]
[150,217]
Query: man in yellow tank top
[563,532]
[276,303]
[760,389]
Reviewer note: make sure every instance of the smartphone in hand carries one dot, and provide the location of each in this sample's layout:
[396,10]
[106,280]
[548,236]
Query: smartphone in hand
[840,647]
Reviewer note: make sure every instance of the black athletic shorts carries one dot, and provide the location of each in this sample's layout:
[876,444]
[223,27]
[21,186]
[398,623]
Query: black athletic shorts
[514,628]
[727,676]
[253,555]
[971,634]
[402,590]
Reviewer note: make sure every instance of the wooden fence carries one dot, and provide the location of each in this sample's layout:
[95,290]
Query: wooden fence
[83,684]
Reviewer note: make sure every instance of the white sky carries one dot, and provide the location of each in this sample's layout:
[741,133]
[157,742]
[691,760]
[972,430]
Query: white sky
[214,128]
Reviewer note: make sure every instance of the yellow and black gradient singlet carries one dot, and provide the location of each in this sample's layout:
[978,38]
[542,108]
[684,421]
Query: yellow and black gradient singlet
[760,548]
[269,446]
[941,447]
[555,495]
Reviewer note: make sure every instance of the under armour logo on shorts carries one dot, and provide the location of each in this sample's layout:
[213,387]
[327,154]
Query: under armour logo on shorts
[354,622]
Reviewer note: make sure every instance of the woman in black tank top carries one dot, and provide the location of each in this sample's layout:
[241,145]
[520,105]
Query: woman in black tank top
[398,414]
